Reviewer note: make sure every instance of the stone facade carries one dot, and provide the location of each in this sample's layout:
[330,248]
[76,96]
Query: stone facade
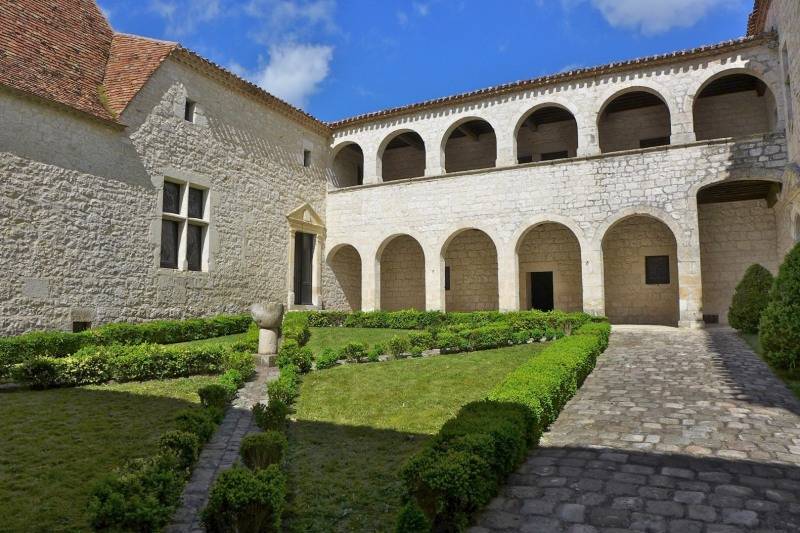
[402,275]
[472,260]
[552,248]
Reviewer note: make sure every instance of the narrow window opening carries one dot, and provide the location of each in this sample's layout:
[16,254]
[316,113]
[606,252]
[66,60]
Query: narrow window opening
[447,278]
[189,109]
[656,269]
[196,198]
[306,158]
[169,244]
[77,327]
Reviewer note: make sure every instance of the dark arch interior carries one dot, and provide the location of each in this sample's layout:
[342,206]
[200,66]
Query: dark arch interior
[734,106]
[403,157]
[348,166]
[546,134]
[471,145]
[637,119]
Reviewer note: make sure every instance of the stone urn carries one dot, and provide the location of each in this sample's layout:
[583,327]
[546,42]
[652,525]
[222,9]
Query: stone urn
[269,318]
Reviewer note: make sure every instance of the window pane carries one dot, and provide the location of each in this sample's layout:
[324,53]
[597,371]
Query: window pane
[169,244]
[194,247]
[656,269]
[195,203]
[172,197]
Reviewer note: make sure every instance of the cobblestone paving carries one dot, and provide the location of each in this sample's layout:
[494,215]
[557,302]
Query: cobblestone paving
[674,431]
[221,452]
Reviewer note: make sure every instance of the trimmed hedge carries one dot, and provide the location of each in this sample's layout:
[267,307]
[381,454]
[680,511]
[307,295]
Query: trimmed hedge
[460,470]
[259,450]
[295,327]
[750,299]
[15,350]
[246,501]
[98,364]
[779,329]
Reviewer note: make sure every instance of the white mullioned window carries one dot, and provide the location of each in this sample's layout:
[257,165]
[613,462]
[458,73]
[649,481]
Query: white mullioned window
[185,220]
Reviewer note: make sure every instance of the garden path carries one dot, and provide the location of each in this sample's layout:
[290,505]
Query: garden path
[674,431]
[221,452]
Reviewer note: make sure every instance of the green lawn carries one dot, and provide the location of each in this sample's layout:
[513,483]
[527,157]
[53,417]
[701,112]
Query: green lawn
[222,341]
[56,443]
[790,377]
[356,425]
[338,337]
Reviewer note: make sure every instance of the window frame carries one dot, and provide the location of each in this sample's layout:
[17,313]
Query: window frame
[183,220]
[647,277]
[190,111]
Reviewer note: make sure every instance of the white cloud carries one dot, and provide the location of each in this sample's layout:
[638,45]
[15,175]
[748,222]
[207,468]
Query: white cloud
[421,9]
[183,17]
[283,20]
[651,17]
[294,71]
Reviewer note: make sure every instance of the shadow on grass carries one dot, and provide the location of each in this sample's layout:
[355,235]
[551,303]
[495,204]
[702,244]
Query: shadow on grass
[346,478]
[57,443]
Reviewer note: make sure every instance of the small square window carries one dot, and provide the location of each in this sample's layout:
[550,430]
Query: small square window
[306,158]
[447,278]
[77,327]
[172,198]
[169,244]
[194,247]
[189,109]
[196,197]
[656,269]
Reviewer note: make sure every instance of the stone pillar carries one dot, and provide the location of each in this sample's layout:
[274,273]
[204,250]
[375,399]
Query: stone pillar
[290,271]
[588,134]
[370,282]
[269,318]
[690,285]
[593,281]
[506,146]
[682,128]
[316,270]
[434,280]
[507,278]
[371,165]
[434,157]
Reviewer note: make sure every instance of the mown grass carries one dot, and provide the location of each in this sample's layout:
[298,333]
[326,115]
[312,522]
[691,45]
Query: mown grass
[337,337]
[356,425]
[790,377]
[225,340]
[56,443]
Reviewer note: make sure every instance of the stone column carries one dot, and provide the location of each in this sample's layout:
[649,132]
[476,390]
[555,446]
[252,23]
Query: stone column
[682,128]
[690,284]
[592,280]
[434,158]
[434,280]
[316,270]
[588,134]
[269,318]
[507,278]
[371,165]
[370,281]
[290,271]
[506,146]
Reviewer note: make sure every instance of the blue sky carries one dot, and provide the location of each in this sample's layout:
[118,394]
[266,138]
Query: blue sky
[338,58]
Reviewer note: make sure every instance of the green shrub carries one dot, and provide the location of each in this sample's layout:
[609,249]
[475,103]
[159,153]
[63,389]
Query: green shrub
[232,380]
[39,372]
[243,501]
[199,422]
[140,496]
[243,362]
[375,353]
[38,344]
[259,450]
[415,351]
[353,352]
[451,342]
[399,345]
[412,520]
[290,353]
[184,445]
[422,340]
[272,416]
[295,327]
[750,298]
[215,395]
[328,358]
[286,387]
[779,329]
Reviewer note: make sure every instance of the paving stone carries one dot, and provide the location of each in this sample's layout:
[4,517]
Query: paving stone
[674,431]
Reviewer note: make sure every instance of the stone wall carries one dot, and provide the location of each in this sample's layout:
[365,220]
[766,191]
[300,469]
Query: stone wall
[629,300]
[466,153]
[402,269]
[734,115]
[624,129]
[405,162]
[472,259]
[84,240]
[733,236]
[345,167]
[342,288]
[551,137]
[552,248]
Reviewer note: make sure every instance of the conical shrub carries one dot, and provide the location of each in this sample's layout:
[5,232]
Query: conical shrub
[779,329]
[750,299]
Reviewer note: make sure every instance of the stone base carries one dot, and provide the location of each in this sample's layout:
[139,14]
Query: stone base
[269,360]
[267,341]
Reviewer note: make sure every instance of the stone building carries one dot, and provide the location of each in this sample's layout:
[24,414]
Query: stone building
[138,180]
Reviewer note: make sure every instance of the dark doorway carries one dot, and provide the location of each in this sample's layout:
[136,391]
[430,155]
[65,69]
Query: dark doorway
[303,254]
[542,291]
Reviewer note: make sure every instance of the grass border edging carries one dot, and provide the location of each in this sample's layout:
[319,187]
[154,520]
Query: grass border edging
[465,463]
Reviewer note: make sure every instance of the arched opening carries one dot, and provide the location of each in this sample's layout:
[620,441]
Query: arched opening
[733,106]
[348,166]
[470,145]
[470,260]
[402,264]
[640,260]
[345,264]
[545,134]
[403,156]
[637,119]
[549,258]
[738,227]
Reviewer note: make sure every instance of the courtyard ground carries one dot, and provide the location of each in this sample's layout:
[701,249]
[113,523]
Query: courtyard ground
[357,425]
[675,430]
[56,443]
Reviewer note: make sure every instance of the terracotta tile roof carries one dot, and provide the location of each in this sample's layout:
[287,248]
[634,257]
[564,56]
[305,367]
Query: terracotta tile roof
[56,50]
[755,23]
[552,79]
[132,61]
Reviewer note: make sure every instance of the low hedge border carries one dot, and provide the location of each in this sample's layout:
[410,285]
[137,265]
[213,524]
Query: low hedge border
[460,470]
[100,364]
[143,494]
[15,350]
